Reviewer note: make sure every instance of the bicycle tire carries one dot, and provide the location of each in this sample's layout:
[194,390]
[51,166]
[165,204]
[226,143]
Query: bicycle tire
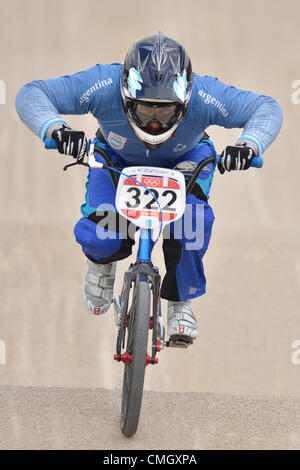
[134,372]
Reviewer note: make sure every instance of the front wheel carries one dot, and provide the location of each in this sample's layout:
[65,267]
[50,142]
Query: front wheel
[134,372]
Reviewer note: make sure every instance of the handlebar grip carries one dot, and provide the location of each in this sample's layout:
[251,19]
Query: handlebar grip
[256,162]
[50,144]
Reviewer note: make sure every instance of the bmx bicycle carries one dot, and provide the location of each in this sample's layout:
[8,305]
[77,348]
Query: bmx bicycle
[150,198]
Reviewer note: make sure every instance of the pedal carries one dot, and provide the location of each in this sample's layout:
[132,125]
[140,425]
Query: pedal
[178,341]
[118,309]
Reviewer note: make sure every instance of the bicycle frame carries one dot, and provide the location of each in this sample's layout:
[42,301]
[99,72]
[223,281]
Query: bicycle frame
[145,246]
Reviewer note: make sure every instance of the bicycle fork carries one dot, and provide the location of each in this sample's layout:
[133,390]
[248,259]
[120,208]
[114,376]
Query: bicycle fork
[145,271]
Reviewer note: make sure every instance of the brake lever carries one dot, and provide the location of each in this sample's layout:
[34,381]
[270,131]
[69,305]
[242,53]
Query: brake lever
[78,162]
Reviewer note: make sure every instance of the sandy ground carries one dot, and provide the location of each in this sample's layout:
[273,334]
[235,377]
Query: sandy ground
[237,384]
[37,418]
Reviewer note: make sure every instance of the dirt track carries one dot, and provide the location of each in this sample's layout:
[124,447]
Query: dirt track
[60,418]
[250,315]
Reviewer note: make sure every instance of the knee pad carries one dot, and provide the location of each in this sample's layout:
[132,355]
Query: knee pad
[96,242]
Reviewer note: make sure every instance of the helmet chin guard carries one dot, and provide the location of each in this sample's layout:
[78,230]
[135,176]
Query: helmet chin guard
[152,142]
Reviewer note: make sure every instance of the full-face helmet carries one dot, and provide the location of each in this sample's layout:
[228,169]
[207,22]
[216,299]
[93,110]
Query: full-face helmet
[156,87]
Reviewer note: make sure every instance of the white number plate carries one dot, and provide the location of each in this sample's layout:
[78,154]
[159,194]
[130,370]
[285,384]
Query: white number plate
[136,203]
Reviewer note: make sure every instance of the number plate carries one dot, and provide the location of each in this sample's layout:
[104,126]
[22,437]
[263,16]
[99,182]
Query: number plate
[135,202]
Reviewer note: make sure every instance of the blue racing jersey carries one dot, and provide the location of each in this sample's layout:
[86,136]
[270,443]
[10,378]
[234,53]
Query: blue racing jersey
[97,91]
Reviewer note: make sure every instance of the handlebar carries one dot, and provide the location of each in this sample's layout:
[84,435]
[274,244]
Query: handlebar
[256,162]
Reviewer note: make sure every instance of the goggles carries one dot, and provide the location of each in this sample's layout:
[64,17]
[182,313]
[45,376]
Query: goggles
[145,112]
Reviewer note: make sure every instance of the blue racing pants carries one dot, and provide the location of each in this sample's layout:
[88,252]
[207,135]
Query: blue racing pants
[105,236]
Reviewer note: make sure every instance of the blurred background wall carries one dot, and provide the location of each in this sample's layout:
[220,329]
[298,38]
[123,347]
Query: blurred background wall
[249,317]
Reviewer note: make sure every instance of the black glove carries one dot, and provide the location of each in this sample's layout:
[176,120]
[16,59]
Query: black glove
[236,158]
[70,142]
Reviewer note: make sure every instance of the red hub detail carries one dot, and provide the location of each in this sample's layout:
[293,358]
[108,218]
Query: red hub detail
[151,323]
[124,358]
[149,360]
[158,345]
